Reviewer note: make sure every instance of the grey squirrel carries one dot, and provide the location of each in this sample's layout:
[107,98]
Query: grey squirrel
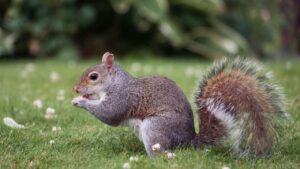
[236,105]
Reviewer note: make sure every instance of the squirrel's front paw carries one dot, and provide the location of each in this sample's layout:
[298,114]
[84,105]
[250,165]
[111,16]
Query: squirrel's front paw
[79,101]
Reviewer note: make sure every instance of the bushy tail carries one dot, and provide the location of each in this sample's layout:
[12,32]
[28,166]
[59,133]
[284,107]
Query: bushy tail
[238,104]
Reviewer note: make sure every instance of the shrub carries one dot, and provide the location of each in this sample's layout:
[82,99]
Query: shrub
[210,28]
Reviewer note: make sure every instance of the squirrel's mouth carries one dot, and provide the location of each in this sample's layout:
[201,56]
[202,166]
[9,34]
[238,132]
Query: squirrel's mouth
[87,96]
[90,96]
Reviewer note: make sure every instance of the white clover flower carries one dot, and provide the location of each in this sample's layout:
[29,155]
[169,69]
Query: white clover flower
[12,123]
[38,103]
[60,98]
[133,158]
[225,167]
[171,155]
[60,95]
[50,110]
[54,76]
[51,142]
[56,128]
[190,71]
[50,113]
[136,67]
[126,165]
[30,67]
[156,147]
[61,92]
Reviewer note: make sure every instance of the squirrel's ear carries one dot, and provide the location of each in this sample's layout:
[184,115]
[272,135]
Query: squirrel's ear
[108,59]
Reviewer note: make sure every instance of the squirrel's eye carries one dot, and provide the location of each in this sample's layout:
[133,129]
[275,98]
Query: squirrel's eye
[94,76]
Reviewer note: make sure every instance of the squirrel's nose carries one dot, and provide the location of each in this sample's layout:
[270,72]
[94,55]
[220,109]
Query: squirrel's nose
[76,89]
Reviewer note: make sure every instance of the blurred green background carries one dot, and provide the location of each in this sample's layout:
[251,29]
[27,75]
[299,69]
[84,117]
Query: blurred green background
[200,28]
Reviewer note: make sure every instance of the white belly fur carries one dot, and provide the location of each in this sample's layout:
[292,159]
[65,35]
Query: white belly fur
[135,124]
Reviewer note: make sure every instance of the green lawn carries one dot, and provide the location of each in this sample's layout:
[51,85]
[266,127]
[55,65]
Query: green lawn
[85,142]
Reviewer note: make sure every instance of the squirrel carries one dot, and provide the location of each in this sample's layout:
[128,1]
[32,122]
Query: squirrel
[236,105]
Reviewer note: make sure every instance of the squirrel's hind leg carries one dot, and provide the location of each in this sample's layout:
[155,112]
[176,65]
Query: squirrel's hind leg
[162,133]
[154,140]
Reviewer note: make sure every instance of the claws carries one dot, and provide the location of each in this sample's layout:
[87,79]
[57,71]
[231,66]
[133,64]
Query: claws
[77,101]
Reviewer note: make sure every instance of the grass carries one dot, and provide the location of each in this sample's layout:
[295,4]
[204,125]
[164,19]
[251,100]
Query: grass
[85,142]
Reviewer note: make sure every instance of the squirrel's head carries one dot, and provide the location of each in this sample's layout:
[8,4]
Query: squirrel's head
[94,79]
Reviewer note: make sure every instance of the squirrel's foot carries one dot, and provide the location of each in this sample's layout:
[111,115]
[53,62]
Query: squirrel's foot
[79,101]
